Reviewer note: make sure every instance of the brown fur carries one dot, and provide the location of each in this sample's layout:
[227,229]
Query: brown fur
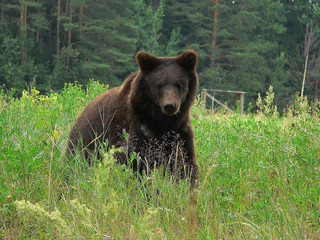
[153,107]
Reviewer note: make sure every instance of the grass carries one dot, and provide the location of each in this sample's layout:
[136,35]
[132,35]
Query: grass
[259,178]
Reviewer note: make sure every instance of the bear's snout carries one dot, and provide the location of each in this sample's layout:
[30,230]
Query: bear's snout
[170,102]
[170,108]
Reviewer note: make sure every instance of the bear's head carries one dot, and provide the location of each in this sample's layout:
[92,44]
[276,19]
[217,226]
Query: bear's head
[168,82]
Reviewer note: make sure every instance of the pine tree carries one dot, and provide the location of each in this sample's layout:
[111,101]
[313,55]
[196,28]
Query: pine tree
[106,44]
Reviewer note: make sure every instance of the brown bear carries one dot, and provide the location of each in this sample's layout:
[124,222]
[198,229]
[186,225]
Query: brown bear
[153,107]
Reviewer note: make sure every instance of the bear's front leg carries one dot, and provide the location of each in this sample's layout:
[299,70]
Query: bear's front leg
[136,143]
[190,168]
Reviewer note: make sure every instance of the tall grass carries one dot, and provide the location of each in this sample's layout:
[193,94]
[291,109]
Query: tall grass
[259,178]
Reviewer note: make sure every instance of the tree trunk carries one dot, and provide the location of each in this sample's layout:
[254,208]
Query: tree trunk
[155,3]
[38,31]
[23,29]
[2,10]
[214,36]
[69,36]
[67,4]
[70,21]
[58,29]
[25,20]
[304,72]
[80,20]
[66,21]
[214,32]
[215,22]
[309,44]
[317,76]
[317,87]
[21,17]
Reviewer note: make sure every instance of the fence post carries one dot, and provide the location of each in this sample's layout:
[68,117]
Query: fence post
[204,97]
[241,102]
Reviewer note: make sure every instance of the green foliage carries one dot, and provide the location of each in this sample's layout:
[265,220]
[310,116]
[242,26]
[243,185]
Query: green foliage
[10,67]
[258,179]
[266,106]
[302,109]
[148,26]
[173,46]
[35,215]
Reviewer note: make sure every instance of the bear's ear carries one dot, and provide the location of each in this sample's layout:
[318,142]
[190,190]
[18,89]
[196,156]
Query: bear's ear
[146,61]
[188,60]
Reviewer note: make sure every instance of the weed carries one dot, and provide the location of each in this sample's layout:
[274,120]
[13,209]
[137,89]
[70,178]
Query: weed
[266,107]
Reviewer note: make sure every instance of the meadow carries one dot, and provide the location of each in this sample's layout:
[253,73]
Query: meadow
[259,176]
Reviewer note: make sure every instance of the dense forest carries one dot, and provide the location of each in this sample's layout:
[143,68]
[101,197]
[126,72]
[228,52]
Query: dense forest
[243,45]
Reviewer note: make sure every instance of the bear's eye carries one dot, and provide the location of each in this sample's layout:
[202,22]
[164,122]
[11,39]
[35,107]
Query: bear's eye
[160,86]
[178,85]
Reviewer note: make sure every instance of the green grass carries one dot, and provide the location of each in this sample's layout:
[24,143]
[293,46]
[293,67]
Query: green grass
[259,178]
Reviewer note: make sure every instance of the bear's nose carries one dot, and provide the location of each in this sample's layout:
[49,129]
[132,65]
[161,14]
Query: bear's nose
[170,107]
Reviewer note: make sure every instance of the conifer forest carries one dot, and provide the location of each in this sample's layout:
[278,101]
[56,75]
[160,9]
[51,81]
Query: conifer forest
[259,172]
[243,45]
